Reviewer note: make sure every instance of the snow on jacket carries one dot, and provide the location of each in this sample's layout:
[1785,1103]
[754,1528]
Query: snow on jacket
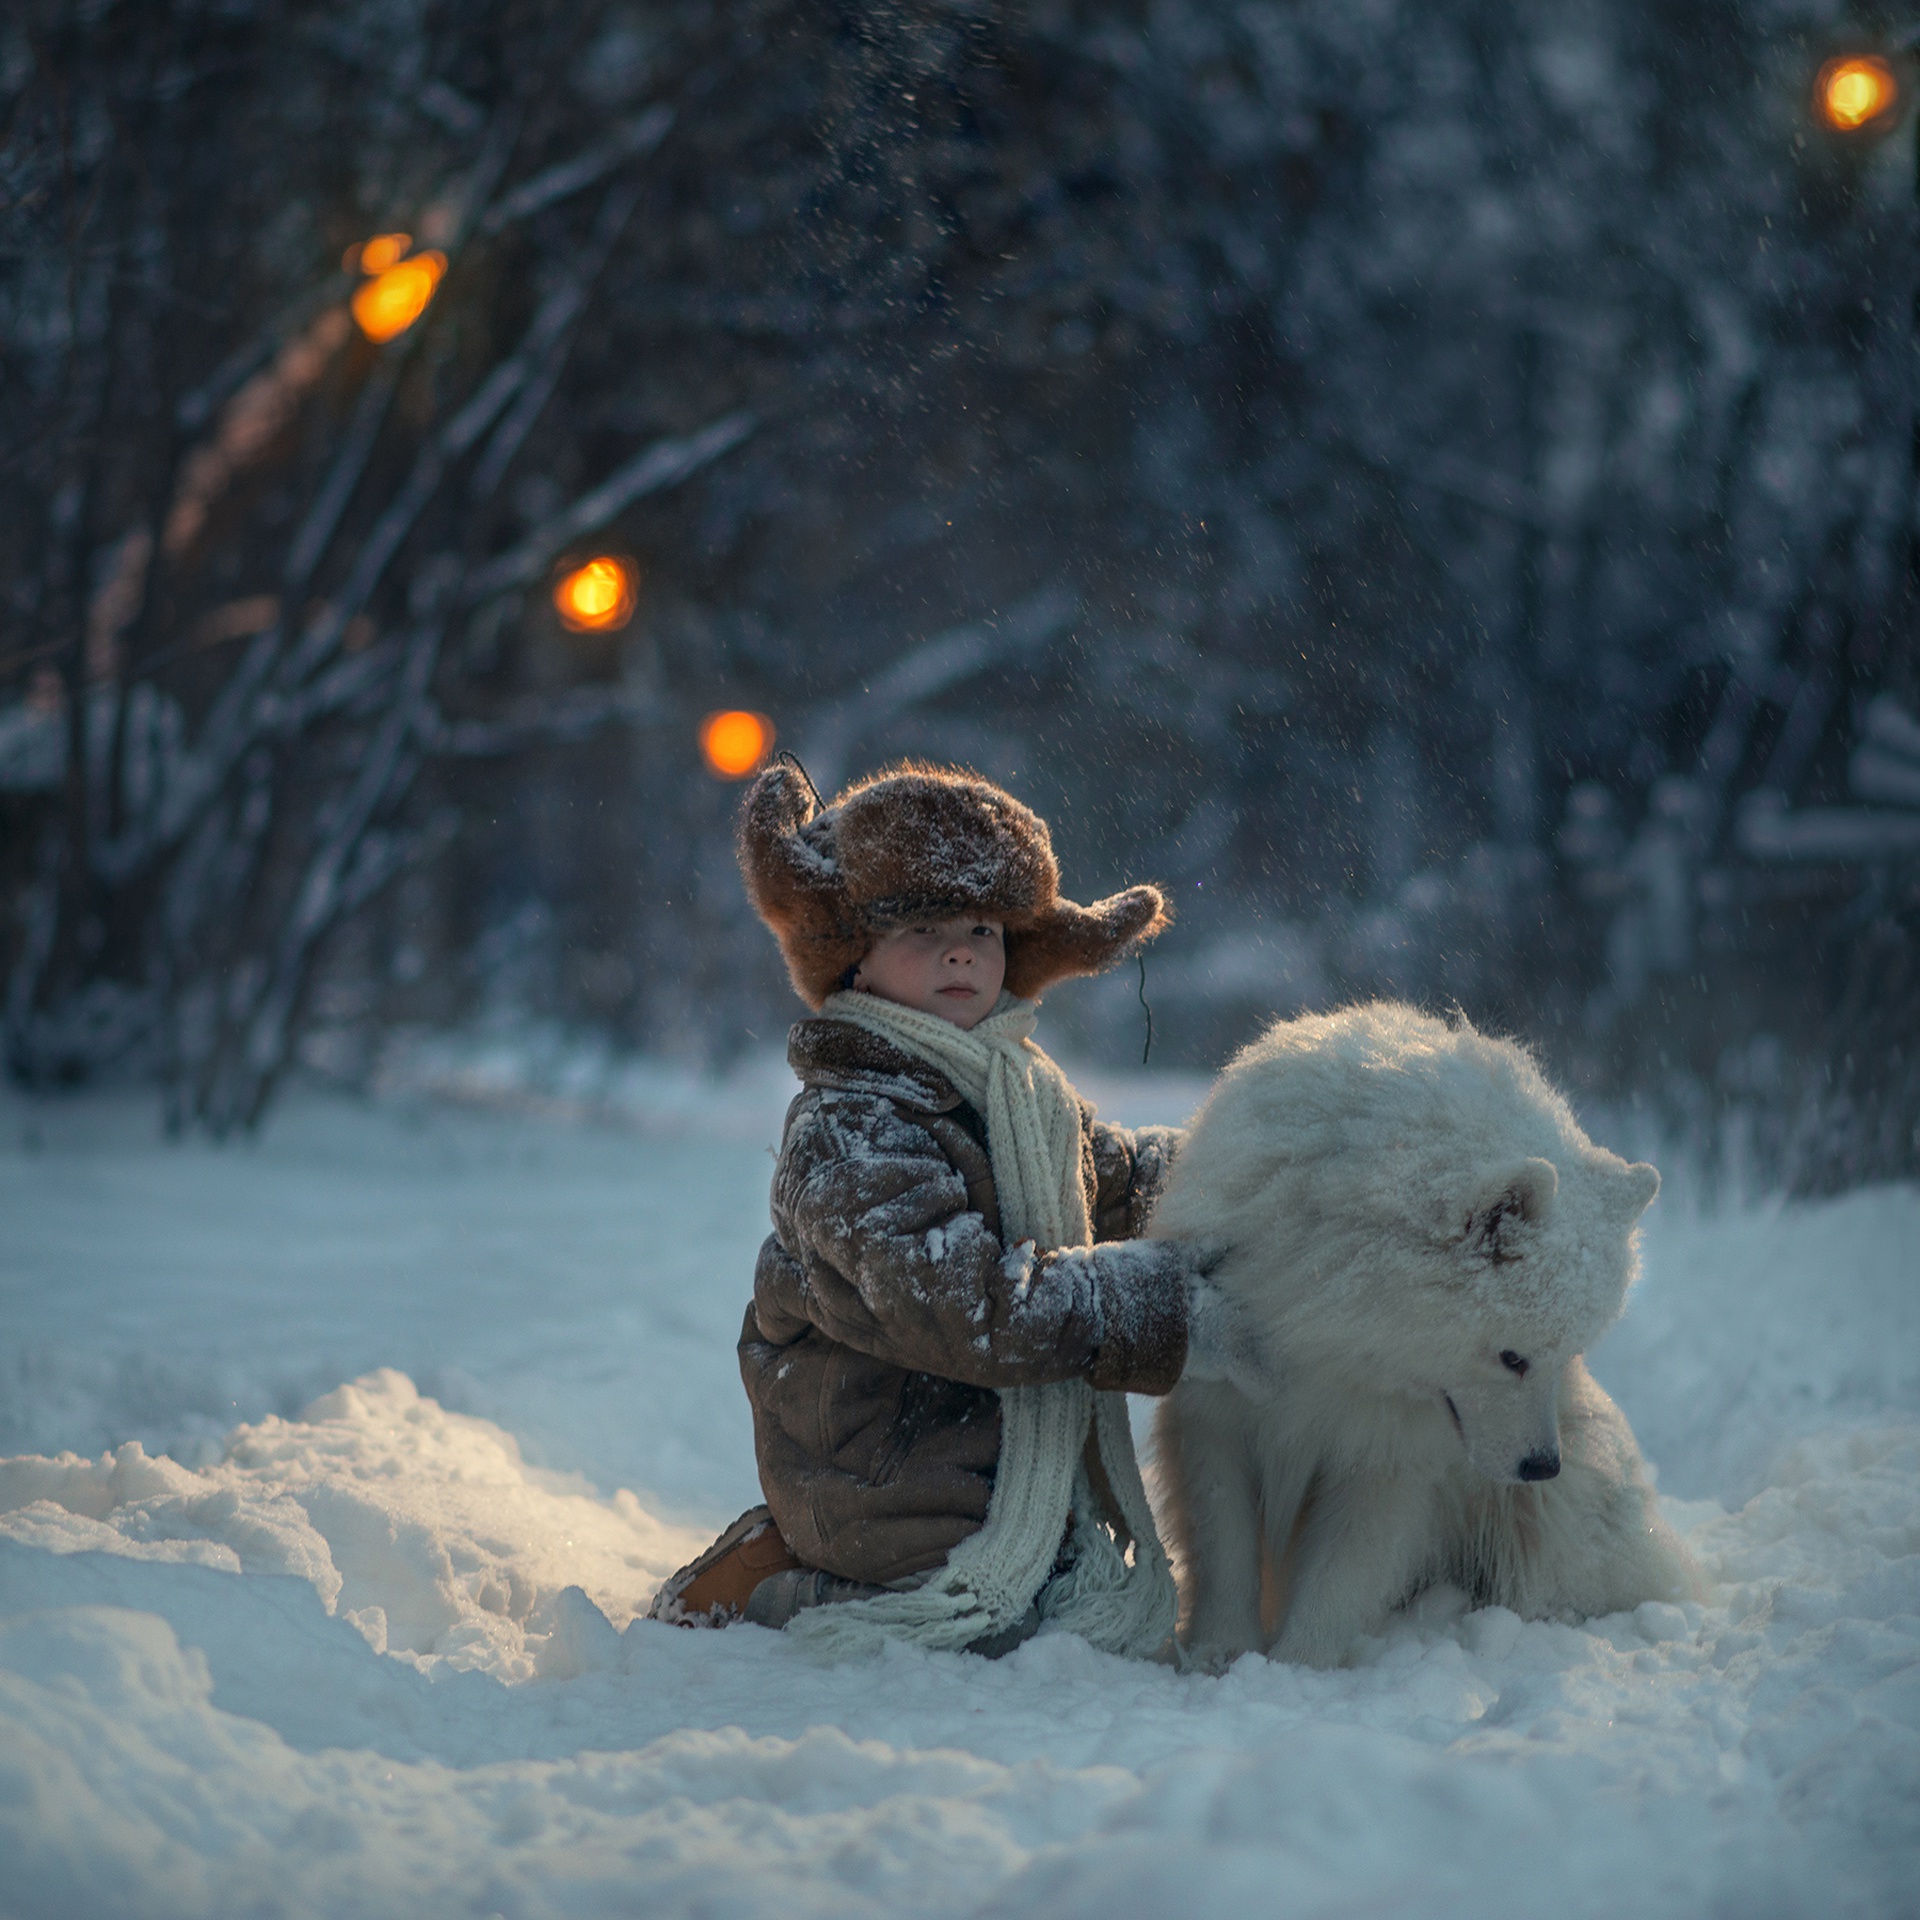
[886,1310]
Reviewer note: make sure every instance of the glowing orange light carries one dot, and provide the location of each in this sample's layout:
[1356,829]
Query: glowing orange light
[1855,91]
[384,250]
[735,743]
[393,300]
[596,598]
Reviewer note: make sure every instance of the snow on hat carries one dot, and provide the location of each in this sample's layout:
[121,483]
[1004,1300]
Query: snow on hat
[916,842]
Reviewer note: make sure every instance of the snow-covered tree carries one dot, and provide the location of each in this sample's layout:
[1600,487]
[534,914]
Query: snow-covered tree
[1432,484]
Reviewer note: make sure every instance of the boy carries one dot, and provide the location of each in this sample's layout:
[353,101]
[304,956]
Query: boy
[953,1302]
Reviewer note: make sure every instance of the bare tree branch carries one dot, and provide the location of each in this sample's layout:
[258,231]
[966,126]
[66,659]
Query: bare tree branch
[195,408]
[321,901]
[550,338]
[930,669]
[1767,830]
[559,718]
[663,464]
[637,136]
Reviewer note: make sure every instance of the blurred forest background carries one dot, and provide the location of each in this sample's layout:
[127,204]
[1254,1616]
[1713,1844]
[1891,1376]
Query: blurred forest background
[1433,485]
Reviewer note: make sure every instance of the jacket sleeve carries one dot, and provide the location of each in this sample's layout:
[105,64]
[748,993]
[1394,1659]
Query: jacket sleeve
[895,1264]
[1130,1165]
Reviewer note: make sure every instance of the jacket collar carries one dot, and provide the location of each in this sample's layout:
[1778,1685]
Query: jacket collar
[837,1054]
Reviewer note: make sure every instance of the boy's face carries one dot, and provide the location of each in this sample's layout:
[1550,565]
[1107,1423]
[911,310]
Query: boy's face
[950,967]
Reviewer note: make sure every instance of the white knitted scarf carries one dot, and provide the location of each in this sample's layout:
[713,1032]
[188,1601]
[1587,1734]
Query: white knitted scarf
[992,1577]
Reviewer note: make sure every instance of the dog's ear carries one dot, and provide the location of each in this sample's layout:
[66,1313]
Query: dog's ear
[1506,1203]
[1632,1188]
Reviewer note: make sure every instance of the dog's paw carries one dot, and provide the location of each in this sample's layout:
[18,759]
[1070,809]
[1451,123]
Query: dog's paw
[1210,1657]
[1306,1648]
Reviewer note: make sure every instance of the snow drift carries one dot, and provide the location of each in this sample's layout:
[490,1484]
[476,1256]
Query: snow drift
[369,1656]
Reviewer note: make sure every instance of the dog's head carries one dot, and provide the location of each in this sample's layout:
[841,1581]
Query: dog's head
[1411,1210]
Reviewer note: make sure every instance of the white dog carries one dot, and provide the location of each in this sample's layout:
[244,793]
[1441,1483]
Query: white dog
[1420,1242]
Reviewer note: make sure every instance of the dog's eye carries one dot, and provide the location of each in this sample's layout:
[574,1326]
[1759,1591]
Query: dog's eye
[1513,1362]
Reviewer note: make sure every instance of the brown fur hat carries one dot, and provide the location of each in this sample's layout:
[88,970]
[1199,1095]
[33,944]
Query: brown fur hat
[916,842]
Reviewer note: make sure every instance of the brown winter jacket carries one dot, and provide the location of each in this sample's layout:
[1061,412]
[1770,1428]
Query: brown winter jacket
[885,1309]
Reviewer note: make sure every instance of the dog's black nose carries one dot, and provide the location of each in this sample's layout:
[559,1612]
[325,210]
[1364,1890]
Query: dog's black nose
[1540,1466]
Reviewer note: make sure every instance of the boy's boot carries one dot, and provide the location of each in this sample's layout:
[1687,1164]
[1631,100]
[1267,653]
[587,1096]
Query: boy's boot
[781,1595]
[713,1590]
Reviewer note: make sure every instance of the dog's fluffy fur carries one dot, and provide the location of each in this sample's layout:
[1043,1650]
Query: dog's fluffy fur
[1422,1242]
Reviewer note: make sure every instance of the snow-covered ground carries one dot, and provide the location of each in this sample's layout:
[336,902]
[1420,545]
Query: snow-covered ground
[342,1461]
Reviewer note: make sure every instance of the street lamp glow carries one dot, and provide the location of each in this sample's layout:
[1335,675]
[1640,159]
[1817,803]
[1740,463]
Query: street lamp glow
[393,300]
[1856,90]
[384,250]
[596,598]
[735,743]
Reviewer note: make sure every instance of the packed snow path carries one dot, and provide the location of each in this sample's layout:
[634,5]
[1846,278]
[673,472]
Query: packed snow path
[342,1462]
